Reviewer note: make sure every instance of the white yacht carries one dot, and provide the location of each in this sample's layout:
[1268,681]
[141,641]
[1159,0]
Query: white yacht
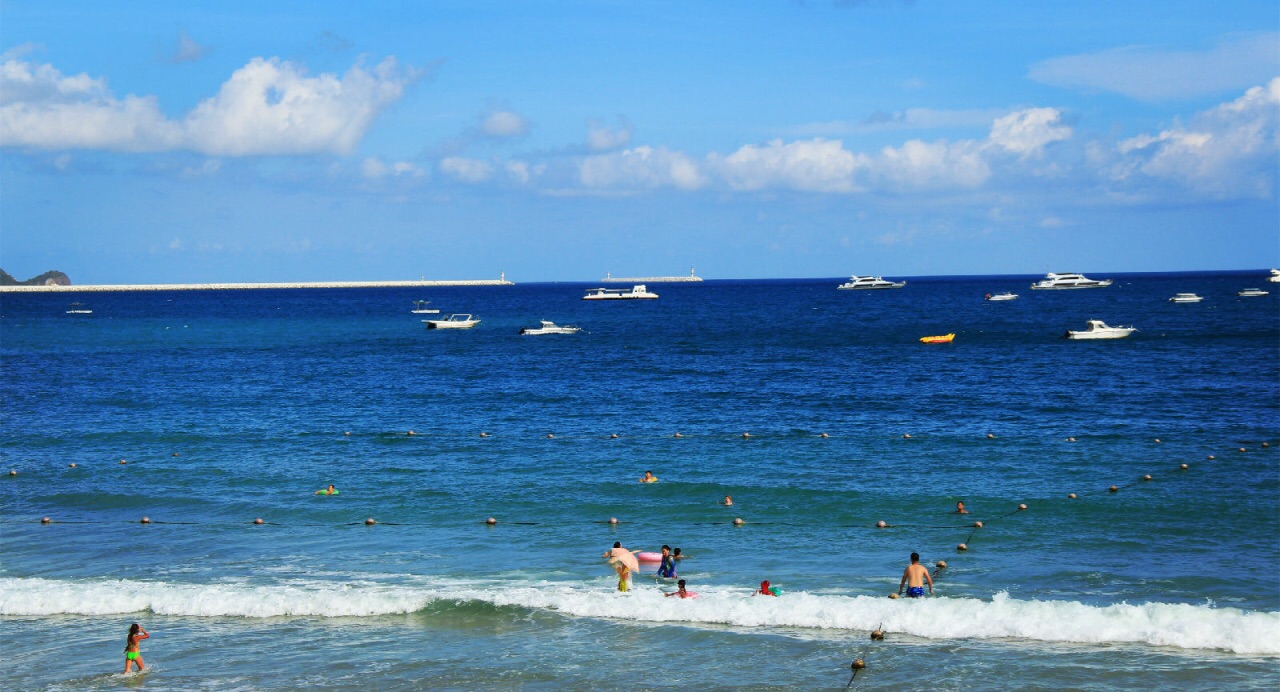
[1099,330]
[549,327]
[1059,281]
[457,321]
[78,309]
[858,283]
[420,308]
[1185,298]
[1275,276]
[636,292]
[1251,292]
[994,297]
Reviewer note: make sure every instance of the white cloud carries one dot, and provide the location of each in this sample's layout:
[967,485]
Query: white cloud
[466,170]
[188,50]
[374,168]
[266,107]
[917,164]
[645,167]
[504,124]
[1226,151]
[1152,74]
[815,165]
[1028,131]
[601,137]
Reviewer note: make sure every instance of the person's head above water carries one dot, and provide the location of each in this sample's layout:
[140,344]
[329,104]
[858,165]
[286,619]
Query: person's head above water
[915,557]
[680,584]
[666,549]
[617,544]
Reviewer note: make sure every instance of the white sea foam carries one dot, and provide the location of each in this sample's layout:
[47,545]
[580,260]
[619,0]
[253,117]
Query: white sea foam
[1159,624]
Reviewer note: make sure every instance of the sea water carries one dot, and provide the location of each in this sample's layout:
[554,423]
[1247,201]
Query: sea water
[817,410]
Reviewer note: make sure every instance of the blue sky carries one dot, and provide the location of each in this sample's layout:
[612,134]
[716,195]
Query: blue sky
[155,142]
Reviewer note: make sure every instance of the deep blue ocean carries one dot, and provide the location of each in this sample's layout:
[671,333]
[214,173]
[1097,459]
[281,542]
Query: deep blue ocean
[233,405]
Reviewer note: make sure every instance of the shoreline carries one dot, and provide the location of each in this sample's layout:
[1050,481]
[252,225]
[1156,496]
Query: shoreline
[252,286]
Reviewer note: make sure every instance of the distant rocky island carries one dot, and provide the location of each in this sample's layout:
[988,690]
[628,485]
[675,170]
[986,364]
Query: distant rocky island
[51,278]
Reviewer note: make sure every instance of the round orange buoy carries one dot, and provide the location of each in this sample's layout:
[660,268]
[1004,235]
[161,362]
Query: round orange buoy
[1211,457]
[1021,507]
[122,461]
[13,472]
[258,520]
[146,520]
[738,521]
[1264,444]
[746,435]
[176,454]
[962,547]
[45,520]
[823,436]
[877,636]
[882,524]
[858,664]
[1243,449]
[71,465]
[991,436]
[369,522]
[550,436]
[613,520]
[1112,489]
[1071,439]
[1146,477]
[1157,440]
[942,564]
[347,433]
[613,436]
[491,521]
[1071,496]
[412,433]
[906,436]
[677,435]
[1184,467]
[977,524]
[484,434]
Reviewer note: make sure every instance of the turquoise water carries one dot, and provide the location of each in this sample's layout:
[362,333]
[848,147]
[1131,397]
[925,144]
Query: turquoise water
[236,405]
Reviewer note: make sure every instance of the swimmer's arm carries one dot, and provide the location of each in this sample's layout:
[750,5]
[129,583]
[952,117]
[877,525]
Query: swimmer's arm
[904,580]
[929,578]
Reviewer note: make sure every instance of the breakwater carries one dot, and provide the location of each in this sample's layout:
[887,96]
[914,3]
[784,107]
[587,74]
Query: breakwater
[252,286]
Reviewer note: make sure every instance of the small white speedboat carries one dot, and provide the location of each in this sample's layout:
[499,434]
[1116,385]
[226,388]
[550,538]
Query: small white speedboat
[458,321]
[994,297]
[1099,330]
[1185,298]
[78,309]
[549,327]
[1251,292]
[1275,276]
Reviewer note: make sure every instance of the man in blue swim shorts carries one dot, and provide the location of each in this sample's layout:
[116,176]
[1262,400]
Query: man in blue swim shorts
[915,577]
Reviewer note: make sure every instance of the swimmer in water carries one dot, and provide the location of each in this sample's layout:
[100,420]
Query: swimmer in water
[675,555]
[914,578]
[132,656]
[728,501]
[764,589]
[327,491]
[960,508]
[680,591]
[649,477]
[667,569]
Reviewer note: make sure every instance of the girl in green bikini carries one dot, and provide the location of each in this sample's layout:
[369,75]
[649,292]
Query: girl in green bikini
[131,653]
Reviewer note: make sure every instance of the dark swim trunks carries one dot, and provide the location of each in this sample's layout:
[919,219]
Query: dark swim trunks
[915,591]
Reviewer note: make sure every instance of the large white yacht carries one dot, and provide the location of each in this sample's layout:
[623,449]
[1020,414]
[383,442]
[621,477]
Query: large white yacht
[1057,281]
[858,283]
[458,321]
[1275,276]
[1251,292]
[636,292]
[1099,330]
[549,327]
